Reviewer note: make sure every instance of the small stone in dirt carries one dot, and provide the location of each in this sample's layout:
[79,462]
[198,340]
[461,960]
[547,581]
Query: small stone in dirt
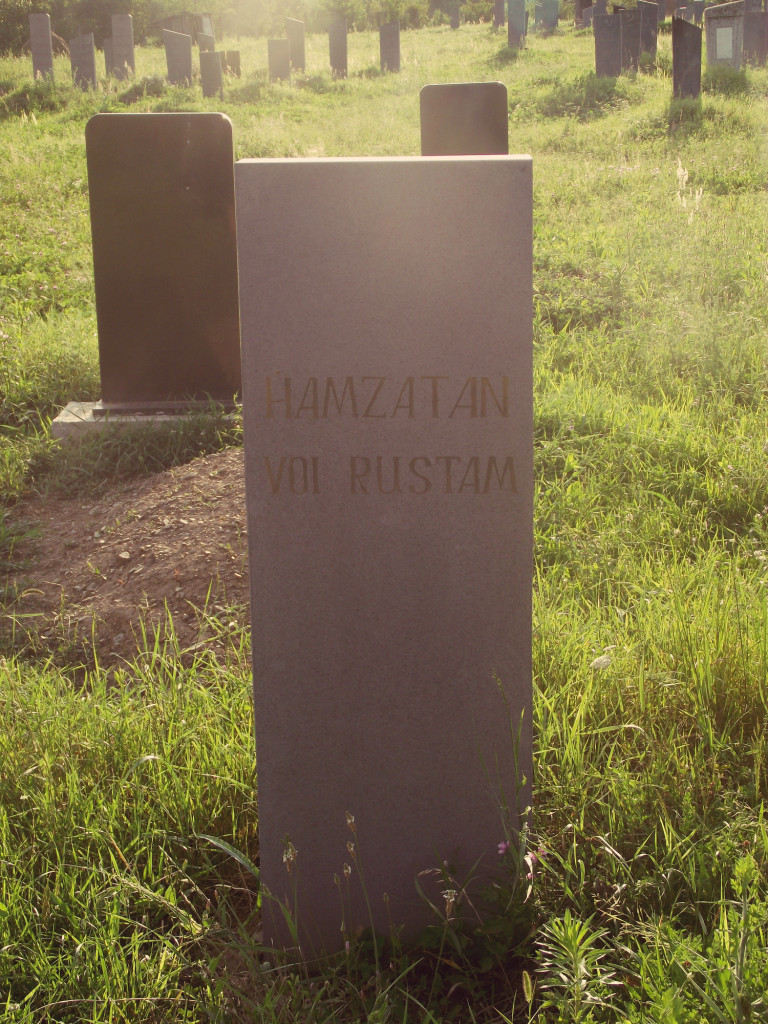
[124,556]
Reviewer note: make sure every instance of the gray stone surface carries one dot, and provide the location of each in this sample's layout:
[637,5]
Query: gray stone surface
[698,11]
[337,47]
[516,23]
[686,59]
[467,118]
[649,30]
[109,60]
[725,33]
[389,46]
[178,57]
[599,7]
[499,17]
[454,14]
[294,30]
[586,16]
[389,482]
[212,73]
[122,45]
[206,42]
[41,44]
[232,63]
[161,190]
[607,29]
[630,38]
[755,42]
[82,58]
[279,59]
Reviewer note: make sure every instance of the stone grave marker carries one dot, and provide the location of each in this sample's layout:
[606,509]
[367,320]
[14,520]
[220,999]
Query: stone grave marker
[294,30]
[389,485]
[686,59]
[205,42]
[608,50]
[499,18]
[41,44]
[684,12]
[516,24]
[337,47]
[232,63]
[389,46]
[578,7]
[755,43]
[161,193]
[109,59]
[586,16]
[212,73]
[599,7]
[469,118]
[178,57]
[455,18]
[649,28]
[630,38]
[698,11]
[122,46]
[82,58]
[753,5]
[279,59]
[725,32]
[662,11]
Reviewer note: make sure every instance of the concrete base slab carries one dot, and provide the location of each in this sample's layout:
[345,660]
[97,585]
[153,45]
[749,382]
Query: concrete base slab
[80,418]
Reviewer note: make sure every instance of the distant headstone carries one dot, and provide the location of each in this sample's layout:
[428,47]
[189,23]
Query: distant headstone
[547,14]
[608,50]
[294,30]
[205,42]
[578,6]
[232,63]
[465,119]
[389,46]
[122,46]
[684,11]
[164,256]
[755,45]
[455,18]
[82,57]
[109,57]
[41,43]
[178,57]
[516,24]
[599,7]
[662,10]
[649,28]
[499,17]
[337,46]
[630,38]
[725,32]
[686,59]
[698,11]
[586,16]
[279,59]
[212,73]
[389,484]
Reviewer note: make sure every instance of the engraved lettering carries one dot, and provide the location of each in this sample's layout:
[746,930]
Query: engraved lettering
[272,401]
[309,399]
[395,488]
[405,398]
[508,472]
[274,480]
[448,460]
[486,388]
[331,393]
[471,404]
[471,479]
[420,476]
[435,394]
[298,475]
[378,415]
[360,468]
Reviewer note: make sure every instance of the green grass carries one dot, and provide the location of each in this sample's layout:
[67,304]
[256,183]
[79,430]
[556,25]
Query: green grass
[649,846]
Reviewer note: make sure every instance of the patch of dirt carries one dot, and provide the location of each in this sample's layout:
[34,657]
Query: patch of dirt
[99,568]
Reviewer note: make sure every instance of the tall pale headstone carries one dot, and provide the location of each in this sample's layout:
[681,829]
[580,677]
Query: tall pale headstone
[337,46]
[279,60]
[122,45]
[389,480]
[178,57]
[82,58]
[389,46]
[41,44]
[294,30]
[161,190]
[212,73]
[686,59]
[468,118]
[725,31]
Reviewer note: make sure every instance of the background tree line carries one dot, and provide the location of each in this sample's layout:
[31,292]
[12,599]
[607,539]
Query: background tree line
[231,17]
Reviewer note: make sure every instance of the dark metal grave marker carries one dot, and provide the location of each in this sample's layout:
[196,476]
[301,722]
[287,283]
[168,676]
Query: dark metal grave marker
[82,58]
[389,46]
[607,29]
[294,30]
[279,57]
[686,59]
[337,47]
[467,119]
[161,192]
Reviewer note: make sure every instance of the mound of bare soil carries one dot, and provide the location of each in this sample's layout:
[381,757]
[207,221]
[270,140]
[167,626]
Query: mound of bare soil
[105,573]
